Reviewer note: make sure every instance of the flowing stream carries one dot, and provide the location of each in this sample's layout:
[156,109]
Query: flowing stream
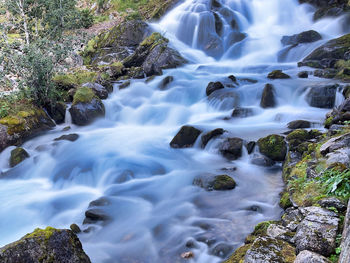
[154,211]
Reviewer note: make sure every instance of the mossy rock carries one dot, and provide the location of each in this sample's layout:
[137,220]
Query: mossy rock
[75,79]
[278,74]
[18,155]
[238,255]
[83,95]
[285,200]
[273,146]
[224,182]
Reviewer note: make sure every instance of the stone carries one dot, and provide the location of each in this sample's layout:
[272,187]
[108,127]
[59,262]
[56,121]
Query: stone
[213,86]
[268,97]
[70,137]
[125,84]
[345,244]
[57,112]
[95,215]
[278,74]
[322,96]
[262,160]
[303,74]
[215,182]
[329,202]
[250,146]
[186,137]
[279,232]
[299,124]
[45,246]
[335,143]
[75,228]
[165,82]
[231,148]
[18,155]
[98,89]
[274,147]
[242,112]
[210,135]
[187,255]
[306,256]
[292,218]
[304,37]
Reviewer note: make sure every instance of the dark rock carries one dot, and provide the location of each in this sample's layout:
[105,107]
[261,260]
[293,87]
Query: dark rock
[306,256]
[326,73]
[165,82]
[18,155]
[70,137]
[95,215]
[218,24]
[215,182]
[213,86]
[210,135]
[135,73]
[98,89]
[345,106]
[299,124]
[268,97]
[274,147]
[231,148]
[185,138]
[75,228]
[322,96]
[261,160]
[250,146]
[304,37]
[57,112]
[329,202]
[303,74]
[278,74]
[242,112]
[125,84]
[45,246]
[233,78]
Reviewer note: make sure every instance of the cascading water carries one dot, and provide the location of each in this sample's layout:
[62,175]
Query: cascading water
[153,211]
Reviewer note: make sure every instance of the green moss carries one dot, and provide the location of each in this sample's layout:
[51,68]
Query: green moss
[298,134]
[75,79]
[154,40]
[285,200]
[238,255]
[18,155]
[42,233]
[273,146]
[261,228]
[224,182]
[15,124]
[83,95]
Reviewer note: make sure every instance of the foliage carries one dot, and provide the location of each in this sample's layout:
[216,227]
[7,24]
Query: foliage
[337,182]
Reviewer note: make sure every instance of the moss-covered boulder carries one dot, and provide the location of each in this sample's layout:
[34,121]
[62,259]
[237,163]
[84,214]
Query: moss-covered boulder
[215,182]
[278,74]
[18,155]
[86,107]
[274,147]
[45,246]
[75,79]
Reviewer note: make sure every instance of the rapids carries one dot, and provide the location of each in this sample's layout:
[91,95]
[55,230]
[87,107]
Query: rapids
[126,158]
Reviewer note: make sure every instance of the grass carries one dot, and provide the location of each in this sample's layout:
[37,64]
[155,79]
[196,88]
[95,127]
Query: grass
[13,104]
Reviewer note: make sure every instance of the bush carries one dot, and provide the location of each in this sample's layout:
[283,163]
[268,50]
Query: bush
[86,18]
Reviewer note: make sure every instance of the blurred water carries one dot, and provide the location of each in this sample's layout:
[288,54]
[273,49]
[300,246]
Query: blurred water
[126,158]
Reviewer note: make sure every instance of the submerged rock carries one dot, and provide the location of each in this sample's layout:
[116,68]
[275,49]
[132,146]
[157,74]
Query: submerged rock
[215,182]
[268,97]
[185,138]
[213,86]
[303,74]
[210,135]
[18,155]
[45,246]
[231,148]
[278,74]
[70,137]
[165,82]
[322,96]
[303,37]
[242,112]
[274,147]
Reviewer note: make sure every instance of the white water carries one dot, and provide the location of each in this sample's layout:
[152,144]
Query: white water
[126,157]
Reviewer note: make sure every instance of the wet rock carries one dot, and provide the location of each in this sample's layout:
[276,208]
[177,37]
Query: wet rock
[278,74]
[250,146]
[165,82]
[322,96]
[215,182]
[303,74]
[267,249]
[299,124]
[268,97]
[306,256]
[57,112]
[95,215]
[18,155]
[187,255]
[317,231]
[274,147]
[45,246]
[326,73]
[329,202]
[242,112]
[185,138]
[86,107]
[233,78]
[70,137]
[292,218]
[213,86]
[210,135]
[280,232]
[98,89]
[75,228]
[218,24]
[335,144]
[345,244]
[262,160]
[304,37]
[222,250]
[125,84]
[231,148]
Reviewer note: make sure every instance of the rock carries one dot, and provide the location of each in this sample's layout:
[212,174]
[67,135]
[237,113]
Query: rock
[242,112]
[304,37]
[326,73]
[125,84]
[268,97]
[345,106]
[335,143]
[322,96]
[303,74]
[222,250]
[299,124]
[57,112]
[262,160]
[187,255]
[95,215]
[210,135]
[165,82]
[345,244]
[233,78]
[45,246]
[292,218]
[329,202]
[70,137]
[75,228]
[185,138]
[98,89]
[274,147]
[279,232]
[317,231]
[213,86]
[18,155]
[267,249]
[306,256]
[215,182]
[231,148]
[278,74]
[250,146]
[86,107]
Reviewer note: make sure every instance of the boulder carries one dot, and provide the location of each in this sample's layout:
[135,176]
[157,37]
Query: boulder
[210,135]
[215,182]
[95,215]
[262,160]
[250,146]
[45,246]
[18,155]
[165,82]
[213,86]
[292,218]
[242,112]
[329,202]
[274,147]
[86,107]
[57,112]
[301,38]
[303,74]
[231,148]
[70,137]
[186,137]
[322,96]
[345,244]
[335,143]
[278,74]
[98,89]
[298,124]
[306,256]
[268,97]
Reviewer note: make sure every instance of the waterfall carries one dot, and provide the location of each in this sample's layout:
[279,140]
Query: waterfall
[154,211]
